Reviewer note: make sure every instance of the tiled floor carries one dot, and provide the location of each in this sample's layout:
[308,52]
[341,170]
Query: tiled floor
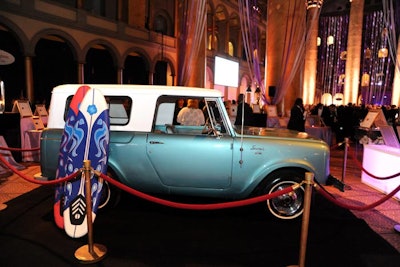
[13,186]
[381,219]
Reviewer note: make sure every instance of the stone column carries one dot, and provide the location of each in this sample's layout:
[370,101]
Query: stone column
[81,73]
[396,80]
[311,52]
[79,4]
[151,74]
[29,79]
[352,79]
[120,74]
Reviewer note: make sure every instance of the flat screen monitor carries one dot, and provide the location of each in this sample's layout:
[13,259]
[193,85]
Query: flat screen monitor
[226,72]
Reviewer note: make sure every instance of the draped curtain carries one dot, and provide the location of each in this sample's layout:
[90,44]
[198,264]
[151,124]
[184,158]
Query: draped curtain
[248,13]
[294,47]
[191,37]
[295,36]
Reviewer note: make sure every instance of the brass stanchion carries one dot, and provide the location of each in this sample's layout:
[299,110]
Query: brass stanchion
[3,206]
[308,184]
[91,252]
[346,148]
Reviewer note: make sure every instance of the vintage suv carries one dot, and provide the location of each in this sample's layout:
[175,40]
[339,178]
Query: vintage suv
[216,160]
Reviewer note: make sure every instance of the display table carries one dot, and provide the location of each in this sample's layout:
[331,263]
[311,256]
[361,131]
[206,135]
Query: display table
[6,154]
[381,161]
[32,140]
[277,122]
[323,133]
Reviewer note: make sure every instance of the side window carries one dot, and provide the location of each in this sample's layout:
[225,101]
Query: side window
[170,120]
[119,109]
[165,113]
[205,116]
[164,117]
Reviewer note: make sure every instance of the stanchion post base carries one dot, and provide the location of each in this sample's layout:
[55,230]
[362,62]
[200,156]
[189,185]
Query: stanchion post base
[83,254]
[3,206]
[347,187]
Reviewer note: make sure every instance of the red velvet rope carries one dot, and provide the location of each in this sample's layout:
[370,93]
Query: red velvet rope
[152,198]
[224,205]
[19,149]
[199,206]
[32,180]
[359,208]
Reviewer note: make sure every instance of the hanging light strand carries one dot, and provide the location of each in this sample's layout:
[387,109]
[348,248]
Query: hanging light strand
[314,3]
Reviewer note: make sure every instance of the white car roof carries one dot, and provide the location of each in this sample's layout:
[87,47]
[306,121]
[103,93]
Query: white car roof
[144,97]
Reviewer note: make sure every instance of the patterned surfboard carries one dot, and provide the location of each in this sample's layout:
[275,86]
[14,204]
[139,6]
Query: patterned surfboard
[88,139]
[92,127]
[69,140]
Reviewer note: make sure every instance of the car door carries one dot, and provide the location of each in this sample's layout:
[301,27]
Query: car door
[191,160]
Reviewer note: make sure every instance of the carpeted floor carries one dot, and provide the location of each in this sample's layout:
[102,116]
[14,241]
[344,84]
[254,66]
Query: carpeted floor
[140,233]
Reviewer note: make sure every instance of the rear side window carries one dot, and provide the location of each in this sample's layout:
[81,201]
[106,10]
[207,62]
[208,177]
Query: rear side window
[119,109]
[169,107]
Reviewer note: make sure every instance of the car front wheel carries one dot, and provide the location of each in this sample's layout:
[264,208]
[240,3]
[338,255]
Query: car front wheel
[290,205]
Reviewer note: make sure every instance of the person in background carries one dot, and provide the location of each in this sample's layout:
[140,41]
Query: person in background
[191,114]
[297,116]
[180,103]
[247,112]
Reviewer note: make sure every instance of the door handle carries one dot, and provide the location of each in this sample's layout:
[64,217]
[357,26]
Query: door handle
[156,142]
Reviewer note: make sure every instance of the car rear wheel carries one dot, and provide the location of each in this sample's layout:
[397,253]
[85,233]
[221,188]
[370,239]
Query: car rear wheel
[286,206]
[110,196]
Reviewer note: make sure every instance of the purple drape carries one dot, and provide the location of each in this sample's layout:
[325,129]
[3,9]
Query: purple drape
[293,50]
[249,13]
[191,36]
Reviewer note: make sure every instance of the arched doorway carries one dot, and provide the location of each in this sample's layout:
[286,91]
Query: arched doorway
[160,74]
[100,67]
[135,70]
[53,65]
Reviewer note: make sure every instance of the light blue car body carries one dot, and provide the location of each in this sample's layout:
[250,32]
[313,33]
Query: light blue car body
[218,160]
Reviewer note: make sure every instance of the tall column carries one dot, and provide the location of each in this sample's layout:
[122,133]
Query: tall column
[352,72]
[29,79]
[311,53]
[81,73]
[151,74]
[120,72]
[119,10]
[79,4]
[396,80]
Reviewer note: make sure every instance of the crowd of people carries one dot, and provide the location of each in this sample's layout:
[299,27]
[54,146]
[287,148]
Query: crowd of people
[344,120]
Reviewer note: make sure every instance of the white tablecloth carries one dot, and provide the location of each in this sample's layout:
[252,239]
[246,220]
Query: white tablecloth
[30,138]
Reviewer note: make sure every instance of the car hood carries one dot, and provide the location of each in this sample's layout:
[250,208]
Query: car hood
[275,132]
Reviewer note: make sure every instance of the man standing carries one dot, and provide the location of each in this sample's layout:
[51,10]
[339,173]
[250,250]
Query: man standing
[243,107]
[297,116]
